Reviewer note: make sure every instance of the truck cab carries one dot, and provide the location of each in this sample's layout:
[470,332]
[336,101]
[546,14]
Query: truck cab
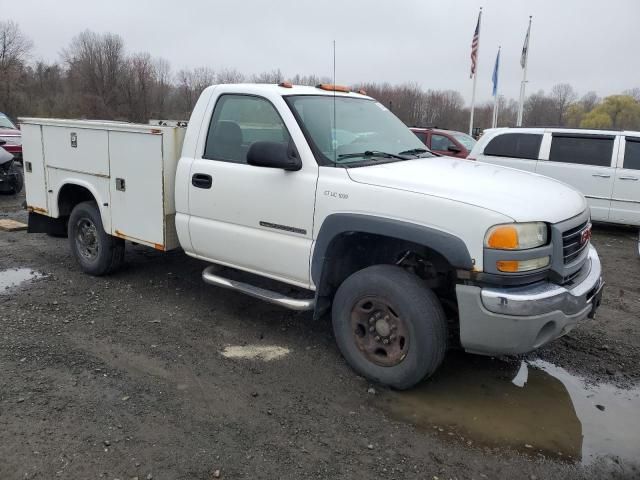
[325,190]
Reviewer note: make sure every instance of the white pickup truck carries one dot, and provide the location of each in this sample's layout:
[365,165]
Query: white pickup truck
[326,190]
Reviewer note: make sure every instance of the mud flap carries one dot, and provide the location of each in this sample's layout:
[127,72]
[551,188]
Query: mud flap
[38,223]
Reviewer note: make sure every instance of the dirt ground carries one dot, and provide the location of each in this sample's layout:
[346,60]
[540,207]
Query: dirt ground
[124,377]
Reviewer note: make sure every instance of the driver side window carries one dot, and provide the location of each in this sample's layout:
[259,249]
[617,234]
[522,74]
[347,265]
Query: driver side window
[237,122]
[440,142]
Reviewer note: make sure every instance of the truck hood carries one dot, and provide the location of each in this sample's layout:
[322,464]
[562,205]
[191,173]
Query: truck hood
[523,196]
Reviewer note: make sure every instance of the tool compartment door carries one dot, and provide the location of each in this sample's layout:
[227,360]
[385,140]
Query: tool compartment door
[34,172]
[75,148]
[136,187]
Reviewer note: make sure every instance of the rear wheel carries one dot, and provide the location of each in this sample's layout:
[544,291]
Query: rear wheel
[97,252]
[389,326]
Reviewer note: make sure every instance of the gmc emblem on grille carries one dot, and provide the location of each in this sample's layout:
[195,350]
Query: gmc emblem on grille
[585,235]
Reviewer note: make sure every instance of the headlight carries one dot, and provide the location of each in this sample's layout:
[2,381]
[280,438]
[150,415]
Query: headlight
[516,236]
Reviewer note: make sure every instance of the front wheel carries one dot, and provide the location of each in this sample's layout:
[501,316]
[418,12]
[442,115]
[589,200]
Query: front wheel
[97,252]
[389,326]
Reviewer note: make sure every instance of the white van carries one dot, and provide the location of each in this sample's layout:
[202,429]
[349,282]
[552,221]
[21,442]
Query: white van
[603,164]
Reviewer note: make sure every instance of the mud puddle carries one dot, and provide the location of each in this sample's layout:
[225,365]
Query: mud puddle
[536,408]
[14,277]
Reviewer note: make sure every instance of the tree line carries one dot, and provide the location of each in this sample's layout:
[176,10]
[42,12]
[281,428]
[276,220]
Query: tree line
[96,77]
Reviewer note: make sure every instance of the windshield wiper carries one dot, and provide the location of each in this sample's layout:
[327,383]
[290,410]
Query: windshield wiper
[371,154]
[415,151]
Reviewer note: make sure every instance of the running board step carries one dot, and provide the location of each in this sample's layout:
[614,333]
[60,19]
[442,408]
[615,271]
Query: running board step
[299,304]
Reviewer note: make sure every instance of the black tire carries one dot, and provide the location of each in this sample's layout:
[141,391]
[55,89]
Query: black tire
[413,304]
[18,183]
[97,252]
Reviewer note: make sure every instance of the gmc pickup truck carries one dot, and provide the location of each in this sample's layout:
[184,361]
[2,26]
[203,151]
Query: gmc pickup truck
[326,190]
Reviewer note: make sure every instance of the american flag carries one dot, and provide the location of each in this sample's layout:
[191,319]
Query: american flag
[475,44]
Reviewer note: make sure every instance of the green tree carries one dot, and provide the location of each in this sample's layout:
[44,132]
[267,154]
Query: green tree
[575,115]
[595,119]
[616,111]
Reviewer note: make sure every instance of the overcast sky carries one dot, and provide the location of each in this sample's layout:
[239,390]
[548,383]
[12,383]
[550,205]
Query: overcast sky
[590,44]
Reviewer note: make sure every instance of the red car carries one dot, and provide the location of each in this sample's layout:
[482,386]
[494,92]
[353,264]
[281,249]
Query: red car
[12,136]
[445,142]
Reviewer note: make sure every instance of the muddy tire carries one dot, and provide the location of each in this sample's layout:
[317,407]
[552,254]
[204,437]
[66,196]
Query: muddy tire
[389,326]
[18,183]
[97,252]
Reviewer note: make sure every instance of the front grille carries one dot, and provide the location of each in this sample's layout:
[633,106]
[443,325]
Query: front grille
[571,243]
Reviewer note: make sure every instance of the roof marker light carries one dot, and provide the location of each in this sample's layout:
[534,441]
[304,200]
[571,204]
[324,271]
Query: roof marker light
[333,88]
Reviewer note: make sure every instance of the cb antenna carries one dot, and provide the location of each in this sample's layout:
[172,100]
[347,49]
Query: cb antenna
[333,135]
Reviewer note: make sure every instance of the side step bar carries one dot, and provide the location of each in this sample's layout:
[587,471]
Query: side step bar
[267,295]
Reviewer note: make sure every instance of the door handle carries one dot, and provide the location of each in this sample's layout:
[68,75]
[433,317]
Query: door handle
[601,175]
[635,179]
[201,180]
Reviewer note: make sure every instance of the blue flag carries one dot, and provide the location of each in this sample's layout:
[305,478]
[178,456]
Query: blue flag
[495,74]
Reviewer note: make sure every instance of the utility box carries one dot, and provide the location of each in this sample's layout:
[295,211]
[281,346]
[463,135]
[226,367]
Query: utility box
[129,167]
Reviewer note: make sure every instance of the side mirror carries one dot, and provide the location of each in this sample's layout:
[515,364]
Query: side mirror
[454,148]
[2,142]
[273,155]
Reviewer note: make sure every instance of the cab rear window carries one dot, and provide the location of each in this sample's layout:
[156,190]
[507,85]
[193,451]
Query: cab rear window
[515,145]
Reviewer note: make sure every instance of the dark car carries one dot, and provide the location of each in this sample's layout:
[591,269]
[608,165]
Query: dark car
[11,135]
[445,142]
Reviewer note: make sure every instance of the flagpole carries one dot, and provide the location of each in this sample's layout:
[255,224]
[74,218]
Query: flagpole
[473,101]
[475,78]
[494,120]
[523,84]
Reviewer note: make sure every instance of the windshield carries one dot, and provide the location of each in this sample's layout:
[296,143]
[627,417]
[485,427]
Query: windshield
[5,122]
[363,130]
[467,141]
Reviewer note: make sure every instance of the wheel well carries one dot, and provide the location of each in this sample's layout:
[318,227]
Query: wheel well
[70,195]
[352,251]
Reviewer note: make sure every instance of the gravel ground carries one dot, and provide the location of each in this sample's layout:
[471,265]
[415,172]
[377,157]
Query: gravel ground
[123,377]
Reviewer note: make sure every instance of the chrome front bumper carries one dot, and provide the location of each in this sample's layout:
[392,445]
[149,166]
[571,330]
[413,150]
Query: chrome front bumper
[547,297]
[515,320]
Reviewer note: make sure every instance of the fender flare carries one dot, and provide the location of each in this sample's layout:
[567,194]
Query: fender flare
[452,248]
[104,213]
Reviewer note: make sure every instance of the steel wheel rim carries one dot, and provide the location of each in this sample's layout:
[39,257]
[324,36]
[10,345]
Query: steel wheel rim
[87,239]
[380,334]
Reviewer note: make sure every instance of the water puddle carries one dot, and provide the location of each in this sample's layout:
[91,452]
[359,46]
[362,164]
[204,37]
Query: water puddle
[14,277]
[265,353]
[535,408]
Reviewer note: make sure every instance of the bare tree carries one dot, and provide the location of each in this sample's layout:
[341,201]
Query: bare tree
[589,101]
[540,110]
[310,80]
[138,81]
[96,62]
[162,89]
[562,96]
[274,76]
[191,83]
[229,76]
[14,51]
[633,92]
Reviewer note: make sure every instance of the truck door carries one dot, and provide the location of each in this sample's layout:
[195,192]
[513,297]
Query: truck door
[257,219]
[625,201]
[584,161]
